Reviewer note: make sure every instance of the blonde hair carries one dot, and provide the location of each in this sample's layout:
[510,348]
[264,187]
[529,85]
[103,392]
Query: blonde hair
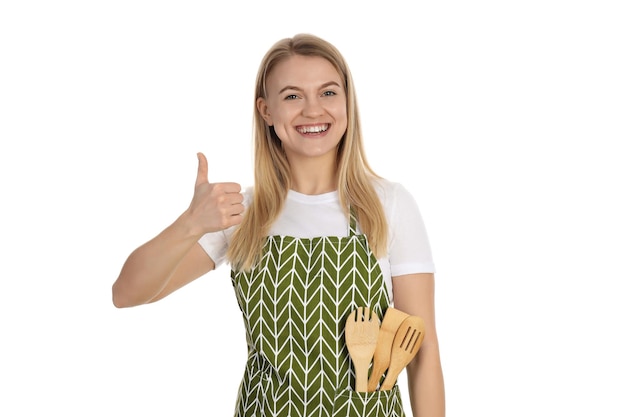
[272,172]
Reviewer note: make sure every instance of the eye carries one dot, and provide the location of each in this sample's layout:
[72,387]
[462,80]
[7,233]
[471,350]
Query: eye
[329,93]
[291,97]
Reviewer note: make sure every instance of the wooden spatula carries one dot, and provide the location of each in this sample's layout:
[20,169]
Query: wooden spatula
[382,355]
[405,345]
[361,336]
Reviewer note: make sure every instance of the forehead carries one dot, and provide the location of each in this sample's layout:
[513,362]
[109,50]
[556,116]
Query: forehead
[303,71]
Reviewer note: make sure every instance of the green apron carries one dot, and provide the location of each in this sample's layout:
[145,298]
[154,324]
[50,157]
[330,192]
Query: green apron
[295,302]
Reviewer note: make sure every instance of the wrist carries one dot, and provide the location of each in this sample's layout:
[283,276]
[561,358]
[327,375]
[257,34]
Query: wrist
[187,227]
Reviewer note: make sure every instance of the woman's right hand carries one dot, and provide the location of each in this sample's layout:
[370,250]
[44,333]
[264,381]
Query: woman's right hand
[173,258]
[215,206]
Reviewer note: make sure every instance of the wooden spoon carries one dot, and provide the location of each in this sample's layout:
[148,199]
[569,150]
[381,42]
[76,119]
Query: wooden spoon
[382,356]
[361,335]
[406,343]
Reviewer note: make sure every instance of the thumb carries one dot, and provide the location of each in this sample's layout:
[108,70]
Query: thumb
[203,170]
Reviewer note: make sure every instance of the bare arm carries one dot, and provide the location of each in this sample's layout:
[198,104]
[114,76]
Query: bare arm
[160,266]
[173,258]
[414,294]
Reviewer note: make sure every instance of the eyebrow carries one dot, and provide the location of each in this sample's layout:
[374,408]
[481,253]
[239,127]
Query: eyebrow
[292,87]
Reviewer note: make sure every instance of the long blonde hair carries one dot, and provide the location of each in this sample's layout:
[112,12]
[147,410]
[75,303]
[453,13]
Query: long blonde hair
[272,172]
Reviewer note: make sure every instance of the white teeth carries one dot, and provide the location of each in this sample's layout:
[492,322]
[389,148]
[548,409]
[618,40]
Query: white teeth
[313,129]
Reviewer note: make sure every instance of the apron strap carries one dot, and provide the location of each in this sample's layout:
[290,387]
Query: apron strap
[352,230]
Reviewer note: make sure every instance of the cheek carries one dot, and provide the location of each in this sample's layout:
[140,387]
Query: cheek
[271,112]
[340,111]
[341,116]
[280,129]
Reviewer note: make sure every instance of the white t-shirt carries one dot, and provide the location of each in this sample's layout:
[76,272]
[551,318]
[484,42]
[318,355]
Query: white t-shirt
[308,216]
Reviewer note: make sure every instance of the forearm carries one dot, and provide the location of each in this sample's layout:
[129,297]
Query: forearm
[425,383]
[149,267]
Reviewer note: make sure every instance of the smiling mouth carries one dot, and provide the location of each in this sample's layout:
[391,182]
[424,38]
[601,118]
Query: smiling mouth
[313,129]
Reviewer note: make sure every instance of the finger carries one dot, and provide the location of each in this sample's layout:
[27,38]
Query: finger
[233,199]
[235,210]
[203,170]
[227,187]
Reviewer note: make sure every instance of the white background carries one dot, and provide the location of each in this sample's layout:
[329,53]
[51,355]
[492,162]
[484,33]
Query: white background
[505,119]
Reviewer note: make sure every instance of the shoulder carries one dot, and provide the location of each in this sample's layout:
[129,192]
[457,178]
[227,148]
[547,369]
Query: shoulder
[392,193]
[399,204]
[248,193]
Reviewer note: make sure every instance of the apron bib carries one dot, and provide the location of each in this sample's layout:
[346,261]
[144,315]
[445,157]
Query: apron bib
[294,303]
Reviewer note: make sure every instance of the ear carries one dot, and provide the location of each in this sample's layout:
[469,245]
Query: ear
[261,105]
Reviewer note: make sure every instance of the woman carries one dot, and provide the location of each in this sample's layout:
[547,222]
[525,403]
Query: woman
[319,235]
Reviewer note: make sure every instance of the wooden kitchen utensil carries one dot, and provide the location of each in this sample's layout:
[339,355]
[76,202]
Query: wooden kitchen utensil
[382,355]
[361,336]
[405,345]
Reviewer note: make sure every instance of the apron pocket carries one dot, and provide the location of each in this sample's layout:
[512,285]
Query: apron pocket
[349,403]
[253,389]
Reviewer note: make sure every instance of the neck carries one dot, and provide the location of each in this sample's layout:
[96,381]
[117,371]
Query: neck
[313,177]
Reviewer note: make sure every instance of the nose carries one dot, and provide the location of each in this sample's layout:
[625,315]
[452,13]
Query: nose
[312,107]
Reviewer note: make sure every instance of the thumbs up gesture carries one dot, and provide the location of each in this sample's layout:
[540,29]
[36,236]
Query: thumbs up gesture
[215,206]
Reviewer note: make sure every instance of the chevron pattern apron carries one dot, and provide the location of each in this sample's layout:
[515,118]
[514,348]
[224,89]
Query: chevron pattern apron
[295,302]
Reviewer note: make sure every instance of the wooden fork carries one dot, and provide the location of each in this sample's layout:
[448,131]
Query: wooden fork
[362,327]
[406,343]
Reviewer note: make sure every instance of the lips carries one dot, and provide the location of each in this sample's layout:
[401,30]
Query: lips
[313,129]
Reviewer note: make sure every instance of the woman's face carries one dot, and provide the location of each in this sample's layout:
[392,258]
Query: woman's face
[306,105]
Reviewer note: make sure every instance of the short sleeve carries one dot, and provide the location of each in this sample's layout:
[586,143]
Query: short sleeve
[216,246]
[409,247]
